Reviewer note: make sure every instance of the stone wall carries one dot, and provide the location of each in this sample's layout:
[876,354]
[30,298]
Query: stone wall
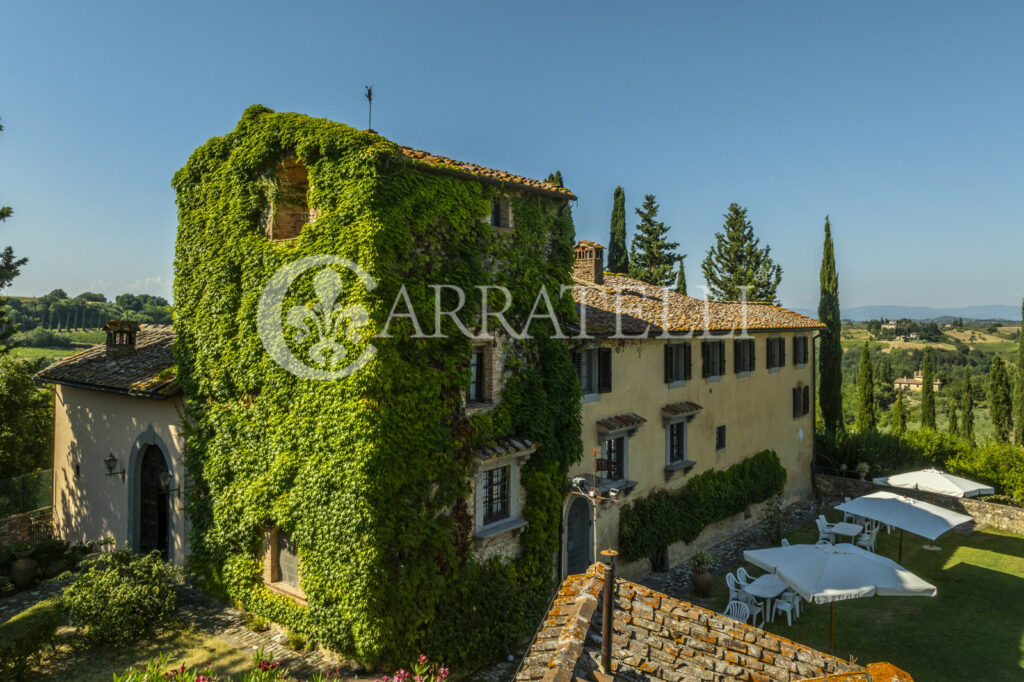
[28,526]
[1001,516]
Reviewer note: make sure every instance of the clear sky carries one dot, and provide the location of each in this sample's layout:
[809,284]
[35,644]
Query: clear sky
[902,120]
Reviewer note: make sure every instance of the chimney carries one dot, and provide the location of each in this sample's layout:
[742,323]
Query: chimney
[120,338]
[589,265]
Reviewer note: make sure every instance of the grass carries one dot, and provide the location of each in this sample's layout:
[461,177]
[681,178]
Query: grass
[70,662]
[972,630]
[47,354]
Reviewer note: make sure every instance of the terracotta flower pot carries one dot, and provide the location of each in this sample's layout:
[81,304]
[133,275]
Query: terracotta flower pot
[702,584]
[23,572]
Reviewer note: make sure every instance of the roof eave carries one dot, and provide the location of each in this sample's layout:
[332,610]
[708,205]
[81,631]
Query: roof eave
[466,175]
[107,389]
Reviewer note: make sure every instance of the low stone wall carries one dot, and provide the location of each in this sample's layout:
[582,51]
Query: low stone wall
[1001,516]
[31,525]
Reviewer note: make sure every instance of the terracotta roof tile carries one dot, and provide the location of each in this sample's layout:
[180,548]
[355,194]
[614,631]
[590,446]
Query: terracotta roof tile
[655,309]
[438,161]
[621,421]
[506,446]
[137,374]
[681,408]
[655,637]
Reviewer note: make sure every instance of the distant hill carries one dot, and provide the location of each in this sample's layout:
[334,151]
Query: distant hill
[986,313]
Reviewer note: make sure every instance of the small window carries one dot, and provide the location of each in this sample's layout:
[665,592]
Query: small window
[501,214]
[677,442]
[496,494]
[613,459]
[800,350]
[801,401]
[477,372]
[720,437]
[289,210]
[281,563]
[594,368]
[776,352]
[678,362]
[713,358]
[743,355]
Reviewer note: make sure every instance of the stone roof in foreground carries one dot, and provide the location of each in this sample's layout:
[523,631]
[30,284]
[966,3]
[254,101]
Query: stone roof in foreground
[656,637]
[143,372]
[661,309]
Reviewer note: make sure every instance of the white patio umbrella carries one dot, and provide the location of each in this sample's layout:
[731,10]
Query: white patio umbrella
[825,574]
[935,481]
[920,518]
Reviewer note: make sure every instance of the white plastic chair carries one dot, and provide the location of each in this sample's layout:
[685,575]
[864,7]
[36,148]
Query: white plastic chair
[738,611]
[824,532]
[755,607]
[867,539]
[735,589]
[785,602]
[785,542]
[743,577]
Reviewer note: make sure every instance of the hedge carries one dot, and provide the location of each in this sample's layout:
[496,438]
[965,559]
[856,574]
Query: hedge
[22,637]
[668,516]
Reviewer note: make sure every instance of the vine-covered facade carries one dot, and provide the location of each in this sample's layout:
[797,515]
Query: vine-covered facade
[414,504]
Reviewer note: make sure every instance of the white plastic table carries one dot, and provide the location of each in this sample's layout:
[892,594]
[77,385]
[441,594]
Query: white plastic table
[767,587]
[850,529]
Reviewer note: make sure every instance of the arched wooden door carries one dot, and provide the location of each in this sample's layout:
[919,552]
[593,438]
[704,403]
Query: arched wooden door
[154,512]
[578,532]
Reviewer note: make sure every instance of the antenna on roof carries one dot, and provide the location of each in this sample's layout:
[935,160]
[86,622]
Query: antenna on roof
[369,98]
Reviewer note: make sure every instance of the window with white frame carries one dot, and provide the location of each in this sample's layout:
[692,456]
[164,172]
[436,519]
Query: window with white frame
[496,500]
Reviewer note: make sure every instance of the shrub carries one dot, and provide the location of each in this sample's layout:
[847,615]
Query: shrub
[668,516]
[422,671]
[23,636]
[42,338]
[701,561]
[256,623]
[121,596]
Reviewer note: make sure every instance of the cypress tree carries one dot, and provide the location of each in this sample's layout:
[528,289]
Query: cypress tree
[830,351]
[899,415]
[1018,386]
[555,178]
[652,257]
[865,393]
[681,277]
[736,260]
[927,394]
[618,259]
[954,424]
[999,399]
[967,405]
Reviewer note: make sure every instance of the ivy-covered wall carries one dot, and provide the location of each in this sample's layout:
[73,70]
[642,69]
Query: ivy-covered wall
[366,473]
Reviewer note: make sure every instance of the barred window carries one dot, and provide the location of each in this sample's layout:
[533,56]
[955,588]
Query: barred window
[677,442]
[496,499]
[613,452]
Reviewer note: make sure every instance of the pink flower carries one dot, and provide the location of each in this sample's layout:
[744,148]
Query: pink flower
[422,658]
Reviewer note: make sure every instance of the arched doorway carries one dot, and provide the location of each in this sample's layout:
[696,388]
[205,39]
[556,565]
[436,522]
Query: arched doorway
[154,510]
[578,549]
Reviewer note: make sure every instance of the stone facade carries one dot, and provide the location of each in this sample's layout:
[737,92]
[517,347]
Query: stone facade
[1000,516]
[31,525]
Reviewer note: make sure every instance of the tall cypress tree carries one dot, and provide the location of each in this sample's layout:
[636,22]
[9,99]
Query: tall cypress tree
[9,269]
[830,351]
[681,276]
[899,415]
[1018,386]
[652,258]
[954,422]
[555,178]
[865,393]
[999,399]
[967,405]
[736,260]
[618,259]
[927,392]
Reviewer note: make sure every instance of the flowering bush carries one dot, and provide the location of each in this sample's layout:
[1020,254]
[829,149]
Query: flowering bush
[160,670]
[422,671]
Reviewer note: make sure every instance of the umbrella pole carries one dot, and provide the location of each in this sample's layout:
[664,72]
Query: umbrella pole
[832,627]
[900,559]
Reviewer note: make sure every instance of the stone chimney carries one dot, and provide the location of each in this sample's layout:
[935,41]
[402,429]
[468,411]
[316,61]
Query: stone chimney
[589,265]
[120,338]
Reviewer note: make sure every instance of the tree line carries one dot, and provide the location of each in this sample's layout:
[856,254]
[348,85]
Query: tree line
[89,310]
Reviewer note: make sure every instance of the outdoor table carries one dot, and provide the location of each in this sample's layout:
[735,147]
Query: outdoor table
[850,529]
[767,587]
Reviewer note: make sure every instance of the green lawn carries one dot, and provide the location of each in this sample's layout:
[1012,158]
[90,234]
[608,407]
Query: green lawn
[48,354]
[972,630]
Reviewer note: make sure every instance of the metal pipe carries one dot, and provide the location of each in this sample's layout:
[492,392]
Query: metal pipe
[608,611]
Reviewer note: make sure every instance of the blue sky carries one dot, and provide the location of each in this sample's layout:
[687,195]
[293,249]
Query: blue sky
[901,120]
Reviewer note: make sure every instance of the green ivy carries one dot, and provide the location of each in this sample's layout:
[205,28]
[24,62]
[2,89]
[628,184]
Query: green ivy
[367,474]
[666,516]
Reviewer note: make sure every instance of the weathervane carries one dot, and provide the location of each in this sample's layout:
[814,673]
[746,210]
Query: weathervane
[369,98]
[593,494]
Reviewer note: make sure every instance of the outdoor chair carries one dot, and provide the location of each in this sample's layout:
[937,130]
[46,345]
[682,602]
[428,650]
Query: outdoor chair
[743,577]
[786,602]
[785,542]
[866,540]
[824,532]
[738,610]
[755,606]
[735,589]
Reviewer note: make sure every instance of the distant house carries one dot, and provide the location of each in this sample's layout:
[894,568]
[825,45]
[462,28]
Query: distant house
[914,383]
[889,325]
[656,637]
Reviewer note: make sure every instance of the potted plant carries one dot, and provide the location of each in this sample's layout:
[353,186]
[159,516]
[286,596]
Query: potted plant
[862,469]
[700,562]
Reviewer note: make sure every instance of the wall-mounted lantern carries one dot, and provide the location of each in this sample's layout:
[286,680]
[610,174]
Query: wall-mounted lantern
[111,462]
